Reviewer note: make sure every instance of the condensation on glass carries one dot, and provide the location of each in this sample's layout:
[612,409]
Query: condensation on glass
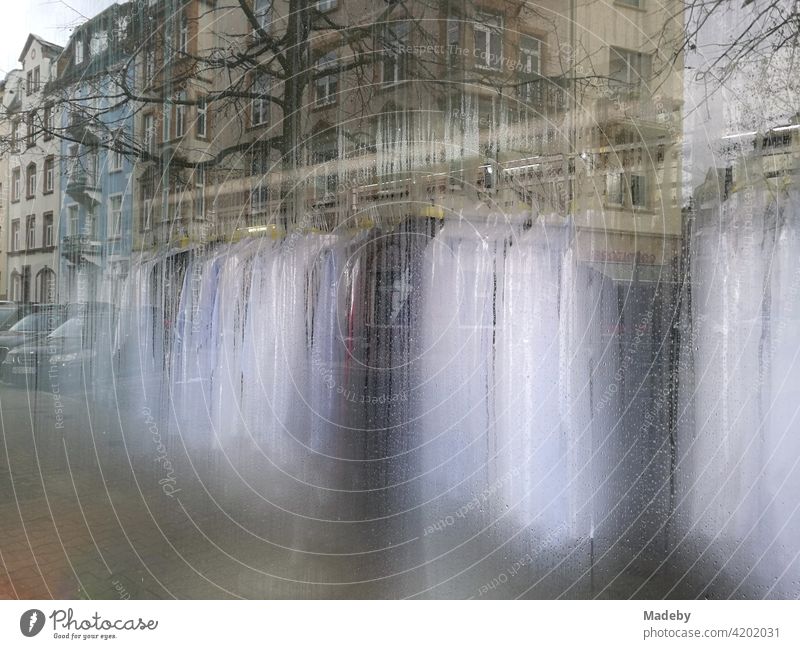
[422,299]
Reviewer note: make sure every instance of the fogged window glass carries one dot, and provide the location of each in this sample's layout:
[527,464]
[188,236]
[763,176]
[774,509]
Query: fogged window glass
[401,299]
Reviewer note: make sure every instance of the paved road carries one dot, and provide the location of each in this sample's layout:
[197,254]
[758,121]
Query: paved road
[98,499]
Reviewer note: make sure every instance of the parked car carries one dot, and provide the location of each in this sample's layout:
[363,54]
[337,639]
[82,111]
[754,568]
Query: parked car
[64,355]
[30,328]
[11,312]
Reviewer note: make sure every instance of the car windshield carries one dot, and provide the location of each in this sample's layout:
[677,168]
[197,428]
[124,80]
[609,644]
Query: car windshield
[72,328]
[32,322]
[6,313]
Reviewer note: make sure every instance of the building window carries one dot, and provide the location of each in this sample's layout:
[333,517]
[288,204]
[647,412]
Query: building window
[49,123]
[180,115]
[116,160]
[614,185]
[146,206]
[147,213]
[15,178]
[166,124]
[149,129]
[30,180]
[639,190]
[72,161]
[626,190]
[15,135]
[260,106]
[489,41]
[73,220]
[32,81]
[98,43]
[202,116]
[259,197]
[149,66]
[30,135]
[79,47]
[74,117]
[326,5]
[49,174]
[326,86]
[183,35]
[116,157]
[453,40]
[47,232]
[115,216]
[16,286]
[15,235]
[46,286]
[395,59]
[30,232]
[324,144]
[628,70]
[530,50]
[91,169]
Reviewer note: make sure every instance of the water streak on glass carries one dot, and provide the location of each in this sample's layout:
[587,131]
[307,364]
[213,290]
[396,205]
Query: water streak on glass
[437,299]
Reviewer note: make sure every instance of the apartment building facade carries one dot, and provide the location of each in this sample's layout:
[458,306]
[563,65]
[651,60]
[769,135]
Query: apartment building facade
[491,109]
[96,224]
[181,131]
[519,109]
[4,134]
[183,122]
[33,202]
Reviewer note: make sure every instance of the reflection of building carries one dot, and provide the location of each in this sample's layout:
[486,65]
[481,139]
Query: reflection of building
[627,137]
[766,158]
[33,182]
[96,194]
[761,167]
[178,138]
[4,133]
[484,111]
[501,109]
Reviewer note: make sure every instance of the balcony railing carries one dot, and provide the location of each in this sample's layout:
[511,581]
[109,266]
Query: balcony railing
[77,247]
[639,106]
[83,187]
[81,129]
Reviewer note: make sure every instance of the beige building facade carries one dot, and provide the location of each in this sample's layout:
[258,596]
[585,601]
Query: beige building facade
[33,180]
